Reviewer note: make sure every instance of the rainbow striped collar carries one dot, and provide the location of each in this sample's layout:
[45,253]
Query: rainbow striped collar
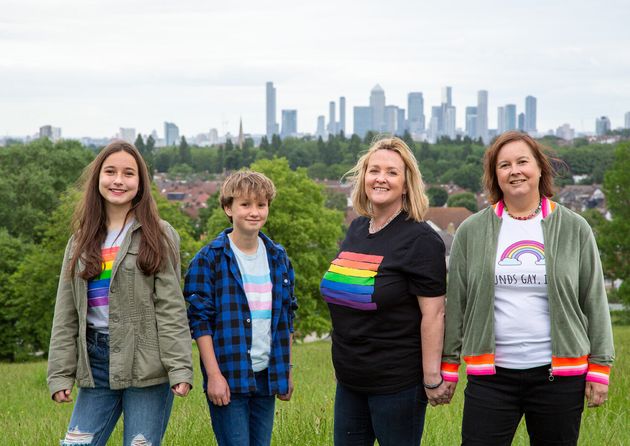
[547,207]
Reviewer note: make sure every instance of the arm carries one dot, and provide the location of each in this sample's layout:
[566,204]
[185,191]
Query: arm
[292,307]
[594,303]
[170,313]
[218,388]
[62,353]
[455,308]
[287,396]
[432,335]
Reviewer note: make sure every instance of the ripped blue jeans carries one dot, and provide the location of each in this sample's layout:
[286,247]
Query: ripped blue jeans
[145,410]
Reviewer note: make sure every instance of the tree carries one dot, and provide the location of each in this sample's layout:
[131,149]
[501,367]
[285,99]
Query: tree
[139,143]
[437,196]
[185,156]
[614,235]
[465,199]
[299,220]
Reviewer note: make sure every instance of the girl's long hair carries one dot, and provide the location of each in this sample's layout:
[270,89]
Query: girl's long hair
[90,219]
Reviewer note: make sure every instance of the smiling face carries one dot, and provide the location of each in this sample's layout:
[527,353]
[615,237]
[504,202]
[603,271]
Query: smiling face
[518,173]
[248,213]
[385,181]
[118,180]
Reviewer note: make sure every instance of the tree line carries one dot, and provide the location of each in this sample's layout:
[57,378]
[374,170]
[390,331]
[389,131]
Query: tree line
[38,186]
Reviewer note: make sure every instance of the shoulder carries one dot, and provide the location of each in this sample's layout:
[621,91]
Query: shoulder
[277,248]
[357,223]
[477,220]
[169,230]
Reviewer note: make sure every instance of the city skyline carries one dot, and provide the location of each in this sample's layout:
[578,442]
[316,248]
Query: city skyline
[92,68]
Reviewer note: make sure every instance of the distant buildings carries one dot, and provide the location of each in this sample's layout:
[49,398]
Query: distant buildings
[565,132]
[332,120]
[171,134]
[362,120]
[602,126]
[50,132]
[471,122]
[341,126]
[271,124]
[377,105]
[415,112]
[127,134]
[530,114]
[626,120]
[321,127]
[289,123]
[482,116]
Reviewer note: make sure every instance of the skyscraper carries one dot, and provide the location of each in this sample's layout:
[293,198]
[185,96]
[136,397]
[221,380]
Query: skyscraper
[626,120]
[450,122]
[521,122]
[510,117]
[482,115]
[500,120]
[415,112]
[471,122]
[128,134]
[438,115]
[602,125]
[272,125]
[321,127]
[447,96]
[391,115]
[530,114]
[332,120]
[401,123]
[362,120]
[171,134]
[342,115]
[289,123]
[377,104]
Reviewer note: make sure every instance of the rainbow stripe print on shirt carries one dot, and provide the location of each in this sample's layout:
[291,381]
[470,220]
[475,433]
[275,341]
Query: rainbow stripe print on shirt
[258,292]
[512,254]
[350,280]
[98,289]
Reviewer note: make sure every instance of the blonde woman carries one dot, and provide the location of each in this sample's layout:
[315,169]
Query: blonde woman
[385,291]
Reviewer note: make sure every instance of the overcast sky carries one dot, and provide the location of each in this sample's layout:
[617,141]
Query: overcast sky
[91,66]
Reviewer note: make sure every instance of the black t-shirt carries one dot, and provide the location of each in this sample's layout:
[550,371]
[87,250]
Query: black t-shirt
[371,288]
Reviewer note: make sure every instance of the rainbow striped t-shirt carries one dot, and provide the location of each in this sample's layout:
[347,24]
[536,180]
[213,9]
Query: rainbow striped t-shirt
[98,288]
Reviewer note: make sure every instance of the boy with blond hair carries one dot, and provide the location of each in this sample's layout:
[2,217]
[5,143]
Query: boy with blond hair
[239,289]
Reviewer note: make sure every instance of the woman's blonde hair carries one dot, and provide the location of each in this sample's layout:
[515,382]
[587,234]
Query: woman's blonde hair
[415,201]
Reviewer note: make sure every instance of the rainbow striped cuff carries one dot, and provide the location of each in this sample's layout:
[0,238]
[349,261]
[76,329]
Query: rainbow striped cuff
[480,364]
[449,372]
[598,373]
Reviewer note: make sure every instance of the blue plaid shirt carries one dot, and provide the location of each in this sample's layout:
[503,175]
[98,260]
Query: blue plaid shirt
[218,307]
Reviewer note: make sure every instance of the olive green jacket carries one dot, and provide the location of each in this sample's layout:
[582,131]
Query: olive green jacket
[149,341]
[581,331]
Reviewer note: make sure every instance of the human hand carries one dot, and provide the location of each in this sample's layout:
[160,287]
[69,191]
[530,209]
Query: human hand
[287,396]
[596,394]
[181,389]
[63,396]
[441,394]
[218,390]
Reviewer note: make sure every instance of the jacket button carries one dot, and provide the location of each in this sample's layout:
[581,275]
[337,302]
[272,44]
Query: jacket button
[112,289]
[248,320]
[116,349]
[114,318]
[248,351]
[286,280]
[116,378]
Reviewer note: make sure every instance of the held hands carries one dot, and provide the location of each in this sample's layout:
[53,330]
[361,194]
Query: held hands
[596,394]
[442,394]
[181,389]
[218,390]
[63,396]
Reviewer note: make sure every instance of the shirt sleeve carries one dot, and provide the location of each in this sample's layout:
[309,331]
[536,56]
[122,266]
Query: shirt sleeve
[425,264]
[199,293]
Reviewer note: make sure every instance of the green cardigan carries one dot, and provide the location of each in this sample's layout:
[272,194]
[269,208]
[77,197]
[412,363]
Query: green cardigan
[581,331]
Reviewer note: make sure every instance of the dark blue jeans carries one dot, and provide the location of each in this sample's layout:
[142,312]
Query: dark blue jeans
[248,419]
[145,410]
[395,419]
[495,404]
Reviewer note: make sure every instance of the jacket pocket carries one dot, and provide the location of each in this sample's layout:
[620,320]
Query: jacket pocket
[147,363]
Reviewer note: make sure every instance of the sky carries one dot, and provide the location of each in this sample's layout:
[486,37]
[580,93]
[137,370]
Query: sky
[93,66]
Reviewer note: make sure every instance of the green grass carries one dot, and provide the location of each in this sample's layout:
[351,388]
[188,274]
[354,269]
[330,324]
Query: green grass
[29,417]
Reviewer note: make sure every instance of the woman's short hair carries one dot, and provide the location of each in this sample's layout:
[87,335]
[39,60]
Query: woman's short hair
[490,182]
[415,201]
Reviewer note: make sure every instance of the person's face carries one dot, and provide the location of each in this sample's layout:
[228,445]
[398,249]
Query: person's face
[517,170]
[249,214]
[119,179]
[385,179]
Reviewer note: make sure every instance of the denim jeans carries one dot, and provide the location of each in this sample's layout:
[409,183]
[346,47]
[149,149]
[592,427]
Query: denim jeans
[145,410]
[394,419]
[248,419]
[495,404]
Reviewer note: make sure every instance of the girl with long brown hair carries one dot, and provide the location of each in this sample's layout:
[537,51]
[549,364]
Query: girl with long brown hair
[120,328]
